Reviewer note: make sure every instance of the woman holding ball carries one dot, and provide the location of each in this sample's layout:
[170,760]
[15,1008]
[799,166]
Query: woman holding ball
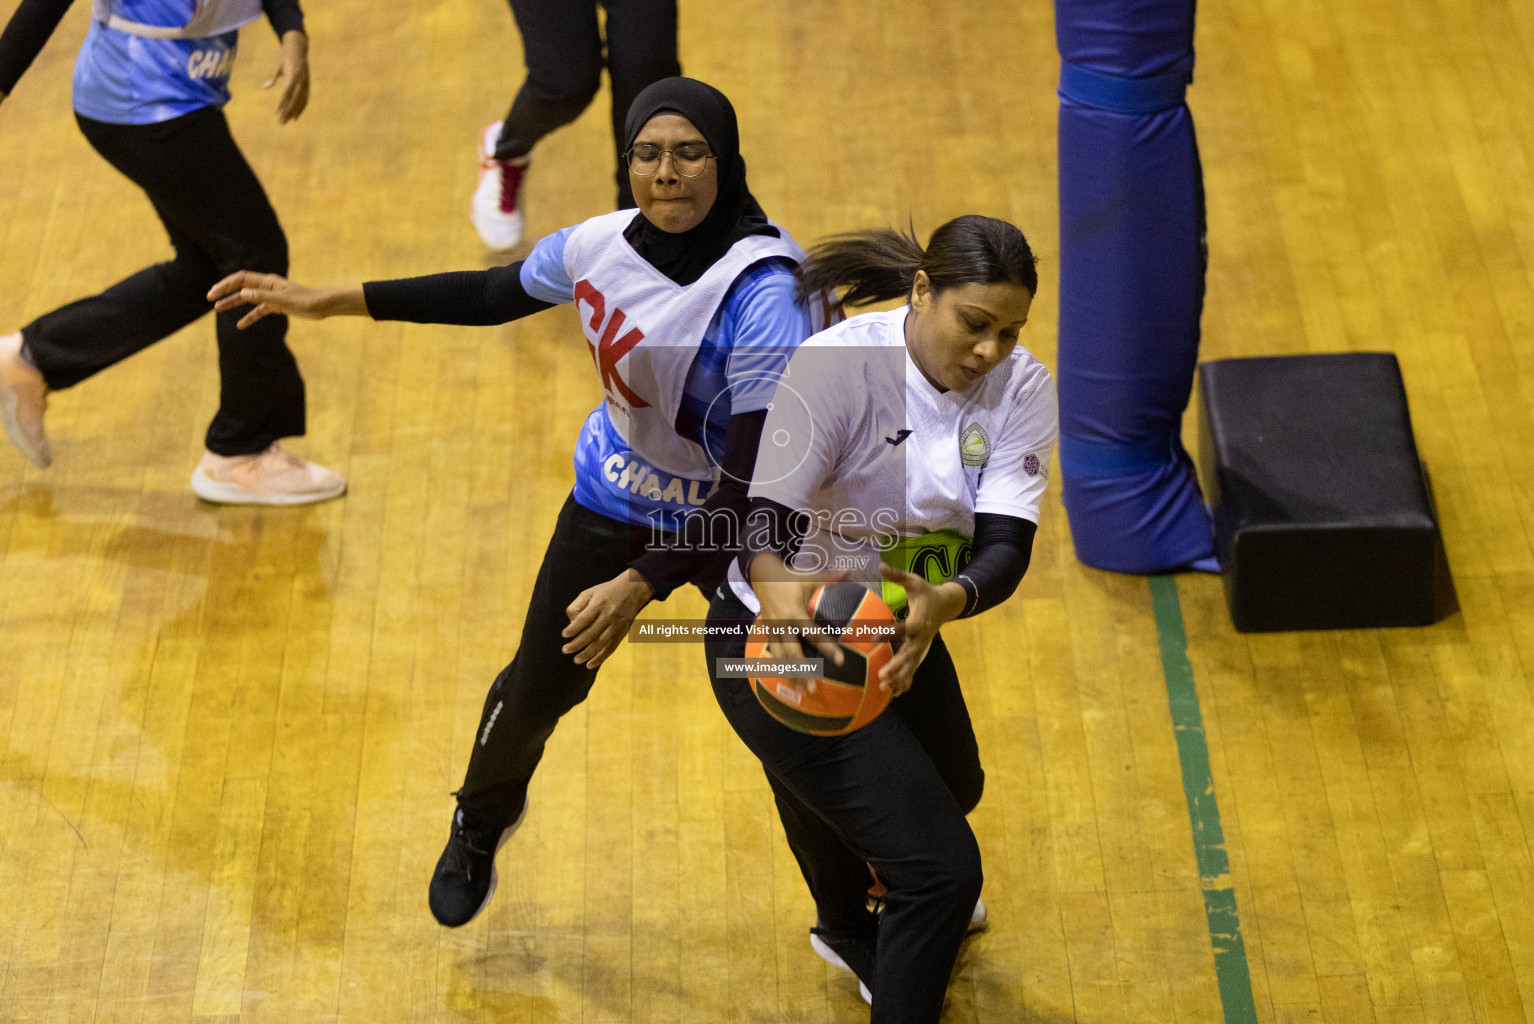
[907,448]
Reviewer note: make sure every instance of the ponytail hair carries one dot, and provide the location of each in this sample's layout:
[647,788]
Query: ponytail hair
[878,265]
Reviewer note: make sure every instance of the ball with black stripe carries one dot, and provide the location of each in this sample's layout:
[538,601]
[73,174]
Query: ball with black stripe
[848,696]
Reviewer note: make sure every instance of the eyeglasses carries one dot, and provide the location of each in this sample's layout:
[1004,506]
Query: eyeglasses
[688,159]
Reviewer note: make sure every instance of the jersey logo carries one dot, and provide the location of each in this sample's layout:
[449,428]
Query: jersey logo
[900,435]
[209,64]
[974,445]
[939,565]
[610,349]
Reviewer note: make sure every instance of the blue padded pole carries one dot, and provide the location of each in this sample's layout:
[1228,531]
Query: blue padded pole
[1132,263]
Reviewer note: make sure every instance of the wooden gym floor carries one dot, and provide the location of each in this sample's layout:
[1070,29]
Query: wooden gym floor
[230,735]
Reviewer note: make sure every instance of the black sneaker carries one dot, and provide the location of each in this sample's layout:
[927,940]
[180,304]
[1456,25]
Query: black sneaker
[465,877]
[851,951]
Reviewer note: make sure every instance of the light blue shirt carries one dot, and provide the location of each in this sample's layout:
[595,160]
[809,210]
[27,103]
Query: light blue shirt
[128,79]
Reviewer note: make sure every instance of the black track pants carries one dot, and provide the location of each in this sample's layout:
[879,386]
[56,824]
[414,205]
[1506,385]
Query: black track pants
[892,795]
[219,221]
[531,694]
[563,48]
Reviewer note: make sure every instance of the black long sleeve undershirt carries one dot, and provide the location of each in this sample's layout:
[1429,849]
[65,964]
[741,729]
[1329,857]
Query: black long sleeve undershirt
[285,16]
[477,298]
[1001,551]
[25,36]
[34,21]
[710,535]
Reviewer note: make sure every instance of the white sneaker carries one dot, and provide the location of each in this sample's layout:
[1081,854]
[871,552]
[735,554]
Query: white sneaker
[832,957]
[23,400]
[497,207]
[977,919]
[273,477]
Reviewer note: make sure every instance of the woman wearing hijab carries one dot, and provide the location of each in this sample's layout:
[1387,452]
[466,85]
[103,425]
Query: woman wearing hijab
[690,313]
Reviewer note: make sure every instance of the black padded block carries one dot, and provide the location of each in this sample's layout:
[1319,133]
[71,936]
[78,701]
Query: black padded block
[1322,515]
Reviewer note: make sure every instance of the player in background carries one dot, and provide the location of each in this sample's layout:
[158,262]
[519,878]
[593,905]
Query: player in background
[565,50]
[150,84]
[912,445]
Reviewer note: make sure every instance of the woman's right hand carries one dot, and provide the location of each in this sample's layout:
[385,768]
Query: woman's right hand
[785,599]
[271,294]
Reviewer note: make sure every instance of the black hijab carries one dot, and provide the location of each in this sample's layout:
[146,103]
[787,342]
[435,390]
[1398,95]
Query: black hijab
[735,214]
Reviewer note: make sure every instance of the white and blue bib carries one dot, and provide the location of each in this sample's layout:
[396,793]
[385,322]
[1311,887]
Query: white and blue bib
[674,361]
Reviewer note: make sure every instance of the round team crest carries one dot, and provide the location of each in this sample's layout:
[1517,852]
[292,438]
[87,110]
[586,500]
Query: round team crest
[974,445]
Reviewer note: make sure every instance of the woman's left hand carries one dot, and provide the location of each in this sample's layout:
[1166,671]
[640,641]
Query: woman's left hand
[600,616]
[930,607]
[293,66]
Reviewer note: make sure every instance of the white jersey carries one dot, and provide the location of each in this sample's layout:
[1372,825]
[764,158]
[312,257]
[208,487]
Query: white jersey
[889,467]
[643,330]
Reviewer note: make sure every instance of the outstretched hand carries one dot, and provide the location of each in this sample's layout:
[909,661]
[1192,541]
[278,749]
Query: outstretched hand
[272,294]
[293,71]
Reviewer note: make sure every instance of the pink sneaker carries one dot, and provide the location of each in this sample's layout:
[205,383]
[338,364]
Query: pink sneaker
[23,401]
[497,207]
[273,477]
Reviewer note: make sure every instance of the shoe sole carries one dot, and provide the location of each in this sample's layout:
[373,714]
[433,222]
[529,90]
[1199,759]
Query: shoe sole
[495,245]
[829,956]
[9,403]
[495,876]
[221,493]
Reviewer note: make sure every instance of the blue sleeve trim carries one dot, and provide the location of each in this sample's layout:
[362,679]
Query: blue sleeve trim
[543,272]
[760,326]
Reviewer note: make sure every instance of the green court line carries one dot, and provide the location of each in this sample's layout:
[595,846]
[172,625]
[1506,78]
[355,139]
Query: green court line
[1230,967]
